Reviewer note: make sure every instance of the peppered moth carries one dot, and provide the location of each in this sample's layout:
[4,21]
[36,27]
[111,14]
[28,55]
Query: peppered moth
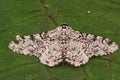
[63,44]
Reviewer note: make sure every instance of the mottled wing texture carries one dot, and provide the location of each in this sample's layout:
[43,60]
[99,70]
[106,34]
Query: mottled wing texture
[27,45]
[99,46]
[40,45]
[63,44]
[52,54]
[76,52]
[82,46]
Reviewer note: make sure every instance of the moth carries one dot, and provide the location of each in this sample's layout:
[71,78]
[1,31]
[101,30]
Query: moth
[63,44]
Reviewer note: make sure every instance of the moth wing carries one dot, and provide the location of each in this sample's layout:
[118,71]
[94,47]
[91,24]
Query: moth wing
[99,46]
[82,46]
[44,45]
[52,55]
[28,45]
[75,54]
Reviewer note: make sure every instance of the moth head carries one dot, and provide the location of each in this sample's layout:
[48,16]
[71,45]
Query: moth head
[64,26]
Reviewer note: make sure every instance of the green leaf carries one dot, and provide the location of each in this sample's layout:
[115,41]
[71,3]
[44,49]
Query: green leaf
[25,17]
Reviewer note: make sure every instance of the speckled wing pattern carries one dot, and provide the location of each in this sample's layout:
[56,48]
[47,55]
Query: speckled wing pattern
[63,44]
